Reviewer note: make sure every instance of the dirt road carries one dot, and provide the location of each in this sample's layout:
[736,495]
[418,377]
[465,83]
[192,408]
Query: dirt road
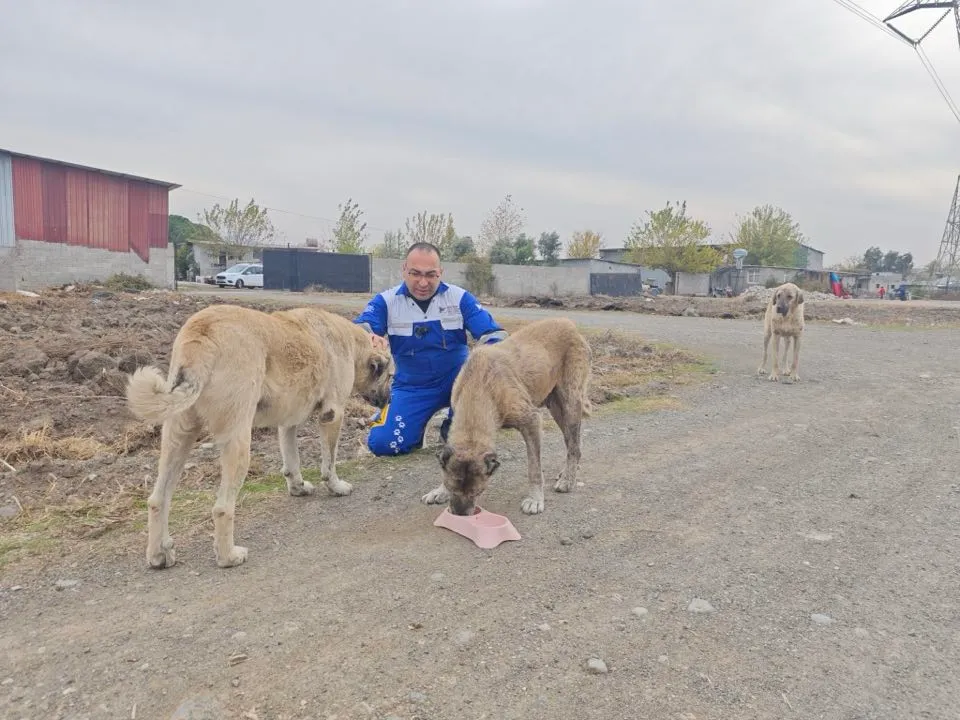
[769,551]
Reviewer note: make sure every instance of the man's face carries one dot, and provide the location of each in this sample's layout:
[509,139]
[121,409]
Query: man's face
[421,273]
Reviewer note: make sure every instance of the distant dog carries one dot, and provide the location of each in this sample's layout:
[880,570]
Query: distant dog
[503,385]
[783,319]
[234,368]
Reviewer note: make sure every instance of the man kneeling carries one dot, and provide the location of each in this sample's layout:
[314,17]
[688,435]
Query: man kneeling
[426,322]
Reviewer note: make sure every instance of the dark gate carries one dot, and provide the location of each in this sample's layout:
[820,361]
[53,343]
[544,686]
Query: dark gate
[299,268]
[616,284]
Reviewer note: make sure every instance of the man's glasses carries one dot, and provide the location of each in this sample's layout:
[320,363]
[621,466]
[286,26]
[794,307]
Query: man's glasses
[416,274]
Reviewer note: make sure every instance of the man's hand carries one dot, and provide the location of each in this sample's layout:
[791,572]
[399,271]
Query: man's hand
[379,343]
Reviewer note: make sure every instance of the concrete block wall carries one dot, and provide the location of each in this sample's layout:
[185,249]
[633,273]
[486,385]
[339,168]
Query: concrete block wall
[8,270]
[693,283]
[509,280]
[41,264]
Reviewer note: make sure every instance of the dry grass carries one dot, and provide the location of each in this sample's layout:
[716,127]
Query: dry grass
[43,444]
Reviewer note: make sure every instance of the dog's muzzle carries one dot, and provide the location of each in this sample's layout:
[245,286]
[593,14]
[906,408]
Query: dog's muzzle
[461,506]
[783,310]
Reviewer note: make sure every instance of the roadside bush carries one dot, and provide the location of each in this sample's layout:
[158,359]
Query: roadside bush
[122,282]
[479,275]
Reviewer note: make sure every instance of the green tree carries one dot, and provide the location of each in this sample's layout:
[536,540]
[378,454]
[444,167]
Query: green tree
[233,230]
[503,223]
[673,241]
[461,248]
[889,263]
[524,250]
[549,247]
[771,238]
[873,259]
[584,244]
[180,234]
[350,232]
[394,245]
[503,252]
[904,265]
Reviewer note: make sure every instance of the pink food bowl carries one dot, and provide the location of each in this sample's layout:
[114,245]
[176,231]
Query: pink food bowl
[486,529]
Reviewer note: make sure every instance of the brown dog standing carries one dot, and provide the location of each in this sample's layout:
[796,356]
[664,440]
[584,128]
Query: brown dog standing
[503,385]
[233,368]
[783,319]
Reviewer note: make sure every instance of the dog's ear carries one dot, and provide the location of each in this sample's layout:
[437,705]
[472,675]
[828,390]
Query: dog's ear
[444,456]
[773,298]
[490,463]
[800,297]
[378,365]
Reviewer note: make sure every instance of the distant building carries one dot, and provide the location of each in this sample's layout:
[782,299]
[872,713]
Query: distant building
[807,258]
[651,276]
[63,223]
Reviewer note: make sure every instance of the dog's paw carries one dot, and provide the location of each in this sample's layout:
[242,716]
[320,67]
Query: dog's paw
[760,370]
[437,496]
[305,489]
[338,487]
[165,557]
[562,485]
[236,556]
[773,377]
[531,506]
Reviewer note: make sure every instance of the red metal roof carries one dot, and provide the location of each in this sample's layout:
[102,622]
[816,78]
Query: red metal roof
[162,183]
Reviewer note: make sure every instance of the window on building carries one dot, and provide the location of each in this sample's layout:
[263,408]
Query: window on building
[753,277]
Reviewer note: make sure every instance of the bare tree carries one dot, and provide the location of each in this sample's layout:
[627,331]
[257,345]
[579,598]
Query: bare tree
[394,245]
[233,229]
[435,229]
[504,223]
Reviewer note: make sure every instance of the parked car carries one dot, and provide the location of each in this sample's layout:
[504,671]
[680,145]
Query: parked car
[241,276]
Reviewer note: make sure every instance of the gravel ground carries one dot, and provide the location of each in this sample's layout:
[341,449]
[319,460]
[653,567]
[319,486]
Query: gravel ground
[767,551]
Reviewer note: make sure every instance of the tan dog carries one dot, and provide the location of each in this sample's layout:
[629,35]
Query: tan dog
[234,368]
[503,385]
[783,319]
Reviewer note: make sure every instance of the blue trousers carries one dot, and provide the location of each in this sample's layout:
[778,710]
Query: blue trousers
[400,425]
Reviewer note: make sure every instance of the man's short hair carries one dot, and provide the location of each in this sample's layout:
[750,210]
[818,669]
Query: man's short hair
[425,246]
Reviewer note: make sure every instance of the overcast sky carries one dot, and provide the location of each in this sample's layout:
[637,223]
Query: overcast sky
[588,114]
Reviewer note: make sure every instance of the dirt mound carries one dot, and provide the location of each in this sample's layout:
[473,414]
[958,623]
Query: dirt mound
[765,295]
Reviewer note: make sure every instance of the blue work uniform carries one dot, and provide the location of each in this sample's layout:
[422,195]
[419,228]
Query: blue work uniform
[429,348]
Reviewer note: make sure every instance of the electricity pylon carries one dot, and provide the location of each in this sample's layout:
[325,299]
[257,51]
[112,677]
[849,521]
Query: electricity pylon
[949,253]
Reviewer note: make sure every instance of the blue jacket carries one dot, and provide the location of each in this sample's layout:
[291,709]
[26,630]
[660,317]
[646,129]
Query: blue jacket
[429,346]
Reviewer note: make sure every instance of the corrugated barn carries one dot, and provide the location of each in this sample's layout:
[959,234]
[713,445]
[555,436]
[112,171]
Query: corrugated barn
[63,223]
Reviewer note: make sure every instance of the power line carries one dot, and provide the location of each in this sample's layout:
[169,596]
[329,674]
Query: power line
[915,44]
[872,19]
[944,93]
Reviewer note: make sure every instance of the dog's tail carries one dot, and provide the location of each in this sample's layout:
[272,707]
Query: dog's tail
[154,398]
